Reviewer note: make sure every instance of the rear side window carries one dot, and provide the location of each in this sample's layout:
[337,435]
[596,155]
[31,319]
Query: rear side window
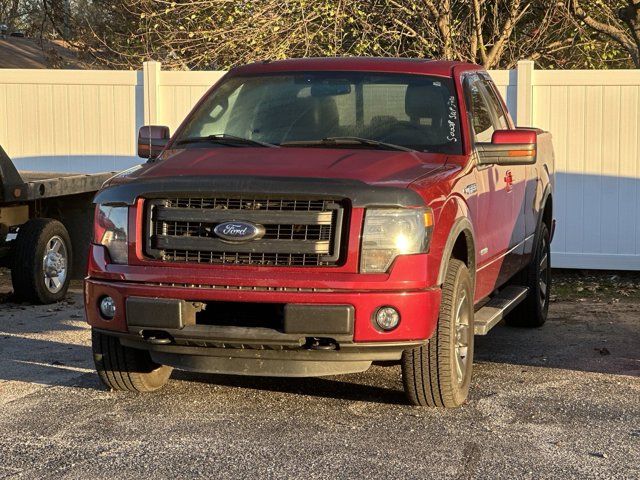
[482,121]
[496,105]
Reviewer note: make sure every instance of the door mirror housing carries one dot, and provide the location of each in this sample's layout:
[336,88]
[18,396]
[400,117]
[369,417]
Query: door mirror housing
[509,147]
[151,140]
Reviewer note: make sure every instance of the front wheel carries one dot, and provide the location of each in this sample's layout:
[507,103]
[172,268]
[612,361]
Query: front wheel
[125,368]
[439,374]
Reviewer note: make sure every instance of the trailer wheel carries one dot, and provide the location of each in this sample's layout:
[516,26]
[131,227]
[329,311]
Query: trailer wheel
[439,374]
[124,368]
[40,271]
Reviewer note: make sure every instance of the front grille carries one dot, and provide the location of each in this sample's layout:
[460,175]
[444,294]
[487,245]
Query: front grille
[297,232]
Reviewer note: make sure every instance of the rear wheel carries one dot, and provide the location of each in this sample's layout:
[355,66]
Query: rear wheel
[40,272]
[533,311]
[439,374]
[125,368]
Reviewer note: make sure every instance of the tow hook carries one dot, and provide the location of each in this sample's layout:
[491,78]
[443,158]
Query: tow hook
[314,343]
[157,337]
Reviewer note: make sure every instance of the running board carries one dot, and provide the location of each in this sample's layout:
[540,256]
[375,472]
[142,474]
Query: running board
[497,308]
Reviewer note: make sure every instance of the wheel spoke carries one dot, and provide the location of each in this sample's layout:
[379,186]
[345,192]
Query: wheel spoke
[459,368]
[461,334]
[462,321]
[462,352]
[54,245]
[460,317]
[543,263]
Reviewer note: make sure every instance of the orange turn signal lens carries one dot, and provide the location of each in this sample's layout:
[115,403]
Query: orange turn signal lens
[428,218]
[521,153]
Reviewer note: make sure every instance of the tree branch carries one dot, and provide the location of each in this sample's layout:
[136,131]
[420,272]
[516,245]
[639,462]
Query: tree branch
[611,31]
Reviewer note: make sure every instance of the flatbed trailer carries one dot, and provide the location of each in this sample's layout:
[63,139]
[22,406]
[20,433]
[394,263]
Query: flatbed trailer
[37,212]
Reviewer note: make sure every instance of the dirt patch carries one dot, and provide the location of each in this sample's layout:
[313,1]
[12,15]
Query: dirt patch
[596,286]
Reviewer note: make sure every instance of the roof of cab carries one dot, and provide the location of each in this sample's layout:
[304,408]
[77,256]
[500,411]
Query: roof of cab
[443,68]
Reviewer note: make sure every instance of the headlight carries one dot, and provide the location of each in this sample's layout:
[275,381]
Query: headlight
[111,226]
[391,232]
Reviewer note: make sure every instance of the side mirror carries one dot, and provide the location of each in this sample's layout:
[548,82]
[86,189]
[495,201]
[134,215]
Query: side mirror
[151,140]
[509,147]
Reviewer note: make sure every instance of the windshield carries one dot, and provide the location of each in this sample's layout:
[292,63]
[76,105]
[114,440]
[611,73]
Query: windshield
[413,111]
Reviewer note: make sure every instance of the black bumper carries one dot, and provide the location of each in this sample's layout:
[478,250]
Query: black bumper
[178,318]
[272,362]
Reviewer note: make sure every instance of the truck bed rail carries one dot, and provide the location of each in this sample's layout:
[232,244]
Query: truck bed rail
[17,186]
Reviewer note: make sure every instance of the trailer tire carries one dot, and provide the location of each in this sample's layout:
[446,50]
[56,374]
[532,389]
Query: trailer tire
[439,373]
[42,259]
[125,368]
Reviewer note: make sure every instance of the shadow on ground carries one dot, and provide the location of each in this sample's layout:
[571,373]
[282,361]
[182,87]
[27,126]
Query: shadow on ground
[326,387]
[50,345]
[580,336]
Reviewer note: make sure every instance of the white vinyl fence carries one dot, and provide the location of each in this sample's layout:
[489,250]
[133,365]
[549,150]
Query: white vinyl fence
[87,121]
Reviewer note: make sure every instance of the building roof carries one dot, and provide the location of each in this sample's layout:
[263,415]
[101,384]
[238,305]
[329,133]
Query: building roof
[18,52]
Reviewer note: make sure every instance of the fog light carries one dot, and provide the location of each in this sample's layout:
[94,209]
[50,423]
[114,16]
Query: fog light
[108,307]
[387,318]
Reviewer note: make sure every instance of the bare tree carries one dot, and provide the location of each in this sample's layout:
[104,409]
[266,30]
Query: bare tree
[10,12]
[617,19]
[493,33]
[206,34]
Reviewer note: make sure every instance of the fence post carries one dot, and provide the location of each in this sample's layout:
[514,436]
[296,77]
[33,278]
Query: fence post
[524,99]
[151,87]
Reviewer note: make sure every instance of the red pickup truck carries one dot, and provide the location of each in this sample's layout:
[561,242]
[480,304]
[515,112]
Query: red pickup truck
[312,217]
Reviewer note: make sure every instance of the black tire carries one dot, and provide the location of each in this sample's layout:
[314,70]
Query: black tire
[78,218]
[32,253]
[124,368]
[432,375]
[533,311]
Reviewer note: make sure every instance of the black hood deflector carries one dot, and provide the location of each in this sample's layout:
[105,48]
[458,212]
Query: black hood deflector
[359,193]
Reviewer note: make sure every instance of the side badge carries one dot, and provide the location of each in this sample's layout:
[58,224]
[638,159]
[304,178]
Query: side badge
[470,189]
[508,180]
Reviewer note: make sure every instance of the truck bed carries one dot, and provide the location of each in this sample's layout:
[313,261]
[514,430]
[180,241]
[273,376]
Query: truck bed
[50,184]
[28,185]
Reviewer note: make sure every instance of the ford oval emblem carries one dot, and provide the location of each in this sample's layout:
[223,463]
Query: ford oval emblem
[238,231]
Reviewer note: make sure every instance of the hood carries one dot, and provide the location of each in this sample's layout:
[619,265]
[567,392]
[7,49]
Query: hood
[375,167]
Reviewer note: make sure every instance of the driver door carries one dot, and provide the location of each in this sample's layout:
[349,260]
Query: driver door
[496,213]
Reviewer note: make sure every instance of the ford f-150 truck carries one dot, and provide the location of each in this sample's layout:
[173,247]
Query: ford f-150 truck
[311,217]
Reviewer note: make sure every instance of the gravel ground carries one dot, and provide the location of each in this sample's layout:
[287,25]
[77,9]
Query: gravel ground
[559,402]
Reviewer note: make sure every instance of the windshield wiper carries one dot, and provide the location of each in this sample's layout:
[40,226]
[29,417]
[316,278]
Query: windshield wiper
[332,141]
[225,139]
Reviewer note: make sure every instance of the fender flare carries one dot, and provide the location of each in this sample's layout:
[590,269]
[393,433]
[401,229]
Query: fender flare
[543,204]
[461,225]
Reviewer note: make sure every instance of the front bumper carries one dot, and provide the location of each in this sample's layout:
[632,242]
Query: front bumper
[173,338]
[418,309]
